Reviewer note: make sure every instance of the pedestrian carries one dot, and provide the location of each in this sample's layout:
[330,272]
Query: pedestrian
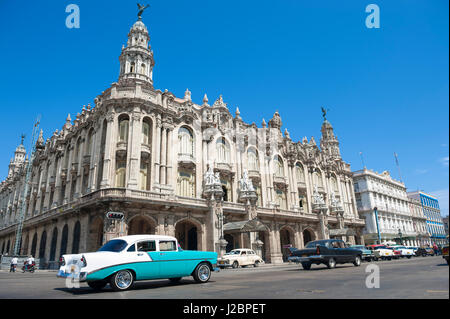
[13,266]
[435,248]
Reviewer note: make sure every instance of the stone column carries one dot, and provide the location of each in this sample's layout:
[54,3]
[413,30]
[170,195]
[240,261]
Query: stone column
[108,159]
[170,151]
[162,179]
[134,150]
[157,150]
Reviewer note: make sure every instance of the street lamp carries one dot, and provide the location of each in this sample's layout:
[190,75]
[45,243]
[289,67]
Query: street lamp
[400,235]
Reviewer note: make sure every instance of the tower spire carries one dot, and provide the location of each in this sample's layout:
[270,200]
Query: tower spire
[136,59]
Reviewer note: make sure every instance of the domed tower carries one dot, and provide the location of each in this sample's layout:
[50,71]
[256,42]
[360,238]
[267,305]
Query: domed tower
[18,160]
[136,59]
[328,142]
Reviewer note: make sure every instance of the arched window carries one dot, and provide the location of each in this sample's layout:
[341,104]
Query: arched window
[64,238]
[300,173]
[279,167]
[42,244]
[334,186]
[77,151]
[132,67]
[223,151]
[146,131]
[252,160]
[144,175]
[186,184]
[185,142]
[76,238]
[317,179]
[90,139]
[120,173]
[281,199]
[143,69]
[123,129]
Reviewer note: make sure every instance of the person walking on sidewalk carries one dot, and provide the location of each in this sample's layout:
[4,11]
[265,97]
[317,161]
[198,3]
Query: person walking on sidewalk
[13,264]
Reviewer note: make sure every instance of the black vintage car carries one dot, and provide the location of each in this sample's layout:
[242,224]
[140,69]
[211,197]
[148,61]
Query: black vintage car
[328,251]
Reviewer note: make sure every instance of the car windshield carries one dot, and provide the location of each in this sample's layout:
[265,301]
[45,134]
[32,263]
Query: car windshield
[234,252]
[357,246]
[114,245]
[400,247]
[381,247]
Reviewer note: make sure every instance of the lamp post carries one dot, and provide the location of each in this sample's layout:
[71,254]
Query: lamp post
[400,235]
[375,210]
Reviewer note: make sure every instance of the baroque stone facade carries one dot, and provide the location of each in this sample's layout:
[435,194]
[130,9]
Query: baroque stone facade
[175,167]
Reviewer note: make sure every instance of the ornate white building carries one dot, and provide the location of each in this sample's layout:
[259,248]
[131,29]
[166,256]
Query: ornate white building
[175,167]
[389,197]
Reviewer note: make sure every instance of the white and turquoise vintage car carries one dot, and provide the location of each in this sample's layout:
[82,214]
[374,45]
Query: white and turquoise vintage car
[124,260]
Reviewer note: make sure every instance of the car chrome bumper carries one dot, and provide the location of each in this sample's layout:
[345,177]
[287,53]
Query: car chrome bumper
[312,258]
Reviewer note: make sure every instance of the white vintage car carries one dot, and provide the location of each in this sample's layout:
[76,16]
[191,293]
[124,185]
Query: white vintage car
[381,252]
[406,252]
[124,260]
[239,257]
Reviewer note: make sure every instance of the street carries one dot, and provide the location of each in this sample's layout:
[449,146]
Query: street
[416,278]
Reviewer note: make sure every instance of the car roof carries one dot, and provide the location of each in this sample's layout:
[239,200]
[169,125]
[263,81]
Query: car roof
[133,238]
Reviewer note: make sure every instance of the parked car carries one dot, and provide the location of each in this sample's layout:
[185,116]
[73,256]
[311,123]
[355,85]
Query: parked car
[381,252]
[367,254]
[239,257]
[414,249]
[124,260]
[425,251]
[404,252]
[328,251]
[397,253]
[445,253]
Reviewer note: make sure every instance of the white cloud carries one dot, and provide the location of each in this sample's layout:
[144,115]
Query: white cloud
[444,160]
[419,171]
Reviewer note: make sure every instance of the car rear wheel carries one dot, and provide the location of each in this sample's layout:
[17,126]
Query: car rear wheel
[408,257]
[331,263]
[121,280]
[375,258]
[256,264]
[97,285]
[357,261]
[202,273]
[306,266]
[235,264]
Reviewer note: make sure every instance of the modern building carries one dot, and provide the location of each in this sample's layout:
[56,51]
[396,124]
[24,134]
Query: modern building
[170,166]
[431,210]
[383,202]
[419,223]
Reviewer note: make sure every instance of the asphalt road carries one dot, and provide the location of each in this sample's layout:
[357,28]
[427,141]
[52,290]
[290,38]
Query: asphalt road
[416,278]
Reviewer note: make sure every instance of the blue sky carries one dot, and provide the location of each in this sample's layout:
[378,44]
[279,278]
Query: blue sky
[386,89]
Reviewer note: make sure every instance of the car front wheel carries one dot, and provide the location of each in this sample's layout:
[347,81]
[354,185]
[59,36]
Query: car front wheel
[235,264]
[357,261]
[121,280]
[306,266]
[256,264]
[202,273]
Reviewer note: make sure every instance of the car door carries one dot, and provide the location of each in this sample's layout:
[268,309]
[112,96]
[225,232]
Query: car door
[173,262]
[244,258]
[143,250]
[335,251]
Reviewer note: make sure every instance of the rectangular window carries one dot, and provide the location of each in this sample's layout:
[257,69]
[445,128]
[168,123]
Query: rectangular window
[167,246]
[146,246]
